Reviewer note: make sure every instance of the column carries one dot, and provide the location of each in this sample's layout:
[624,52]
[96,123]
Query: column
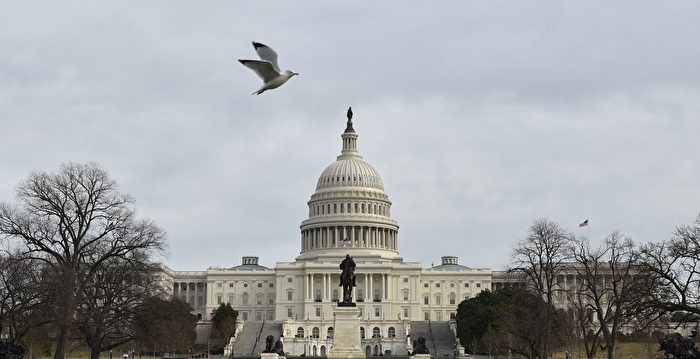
[194,305]
[371,290]
[384,287]
[388,286]
[366,285]
[306,297]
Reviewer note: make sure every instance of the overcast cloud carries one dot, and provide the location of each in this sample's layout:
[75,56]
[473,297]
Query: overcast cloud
[479,116]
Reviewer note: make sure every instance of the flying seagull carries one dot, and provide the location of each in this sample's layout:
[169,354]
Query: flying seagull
[267,68]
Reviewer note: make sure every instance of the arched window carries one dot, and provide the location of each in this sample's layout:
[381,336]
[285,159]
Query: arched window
[453,298]
[391,333]
[377,297]
[362,333]
[318,295]
[335,295]
[375,332]
[245,298]
[438,300]
[300,332]
[363,208]
[314,332]
[329,335]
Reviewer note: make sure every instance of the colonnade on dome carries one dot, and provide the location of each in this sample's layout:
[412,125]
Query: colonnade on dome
[352,236]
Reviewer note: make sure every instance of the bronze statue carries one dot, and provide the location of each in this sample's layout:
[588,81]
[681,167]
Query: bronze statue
[279,348]
[269,341]
[419,346]
[347,280]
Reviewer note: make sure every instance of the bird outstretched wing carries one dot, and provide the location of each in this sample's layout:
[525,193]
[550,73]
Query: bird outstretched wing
[266,54]
[264,69]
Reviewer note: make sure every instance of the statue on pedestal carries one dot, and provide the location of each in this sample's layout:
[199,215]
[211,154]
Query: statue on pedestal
[347,280]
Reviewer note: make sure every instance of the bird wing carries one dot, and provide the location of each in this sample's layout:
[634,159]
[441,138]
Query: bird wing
[263,69]
[266,54]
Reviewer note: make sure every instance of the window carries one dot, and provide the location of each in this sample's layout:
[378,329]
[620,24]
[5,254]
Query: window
[289,280]
[245,285]
[290,313]
[438,300]
[335,295]
[270,300]
[405,295]
[258,315]
[405,280]
[318,295]
[259,285]
[300,332]
[362,332]
[452,285]
[329,334]
[218,299]
[245,298]
[437,285]
[376,333]
[245,315]
[230,285]
[377,311]
[218,285]
[438,316]
[466,285]
[391,333]
[289,295]
[453,298]
[426,299]
[453,315]
[314,332]
[272,285]
[270,315]
[360,296]
[230,299]
[426,315]
[406,312]
[318,311]
[426,285]
[478,285]
[259,299]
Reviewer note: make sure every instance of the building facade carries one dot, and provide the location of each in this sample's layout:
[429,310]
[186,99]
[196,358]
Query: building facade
[349,213]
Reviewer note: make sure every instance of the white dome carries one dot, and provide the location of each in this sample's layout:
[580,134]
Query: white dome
[350,172]
[349,212]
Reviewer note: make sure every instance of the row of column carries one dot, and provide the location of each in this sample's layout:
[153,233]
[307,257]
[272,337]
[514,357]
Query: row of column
[178,291]
[357,236]
[330,281]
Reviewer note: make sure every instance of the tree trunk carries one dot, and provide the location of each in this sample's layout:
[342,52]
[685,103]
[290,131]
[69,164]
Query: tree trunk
[95,352]
[61,343]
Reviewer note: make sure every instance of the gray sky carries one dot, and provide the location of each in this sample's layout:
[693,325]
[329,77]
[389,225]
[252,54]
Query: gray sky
[479,116]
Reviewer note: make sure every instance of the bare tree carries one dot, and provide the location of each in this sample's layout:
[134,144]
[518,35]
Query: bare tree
[610,287]
[74,221]
[22,299]
[106,318]
[675,265]
[541,257]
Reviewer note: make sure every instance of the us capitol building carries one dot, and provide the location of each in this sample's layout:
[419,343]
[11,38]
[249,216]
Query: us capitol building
[349,213]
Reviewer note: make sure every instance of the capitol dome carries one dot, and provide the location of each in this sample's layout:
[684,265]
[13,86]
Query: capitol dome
[349,211]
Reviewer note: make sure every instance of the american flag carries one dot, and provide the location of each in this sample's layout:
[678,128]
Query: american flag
[583,224]
[345,242]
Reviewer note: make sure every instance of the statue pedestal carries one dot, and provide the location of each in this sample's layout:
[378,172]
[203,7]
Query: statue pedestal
[421,356]
[269,356]
[346,334]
